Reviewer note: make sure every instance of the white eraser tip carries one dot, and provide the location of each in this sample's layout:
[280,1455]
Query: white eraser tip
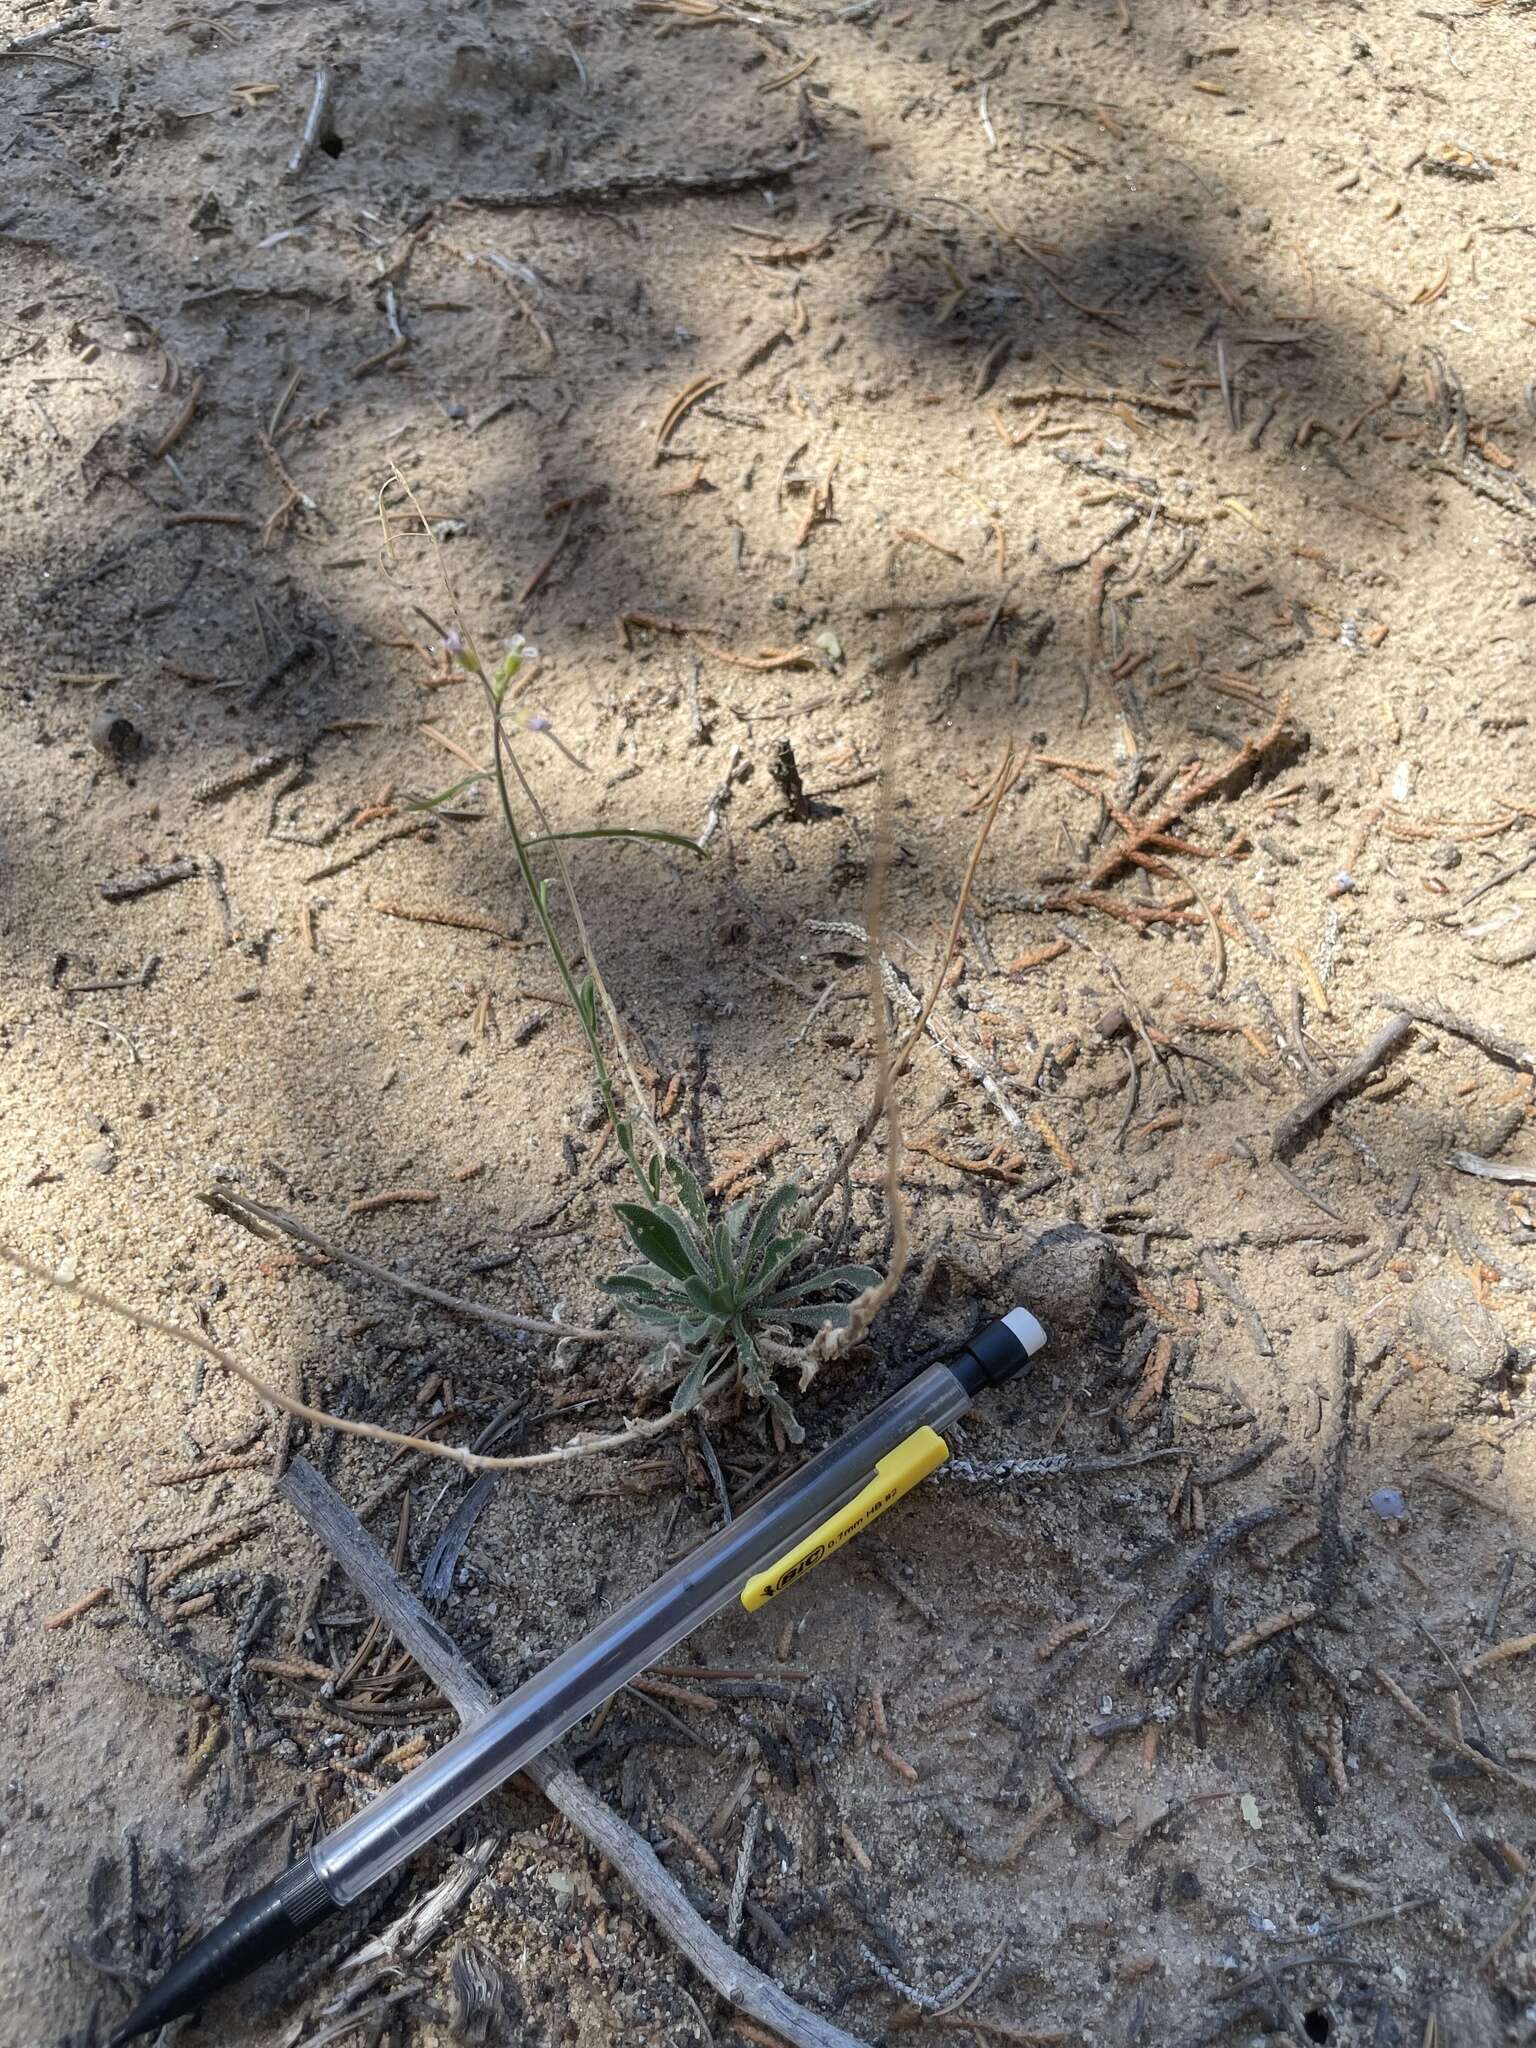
[1029,1330]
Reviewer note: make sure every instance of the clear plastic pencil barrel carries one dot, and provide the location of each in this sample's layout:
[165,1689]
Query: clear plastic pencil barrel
[803,1521]
[431,1797]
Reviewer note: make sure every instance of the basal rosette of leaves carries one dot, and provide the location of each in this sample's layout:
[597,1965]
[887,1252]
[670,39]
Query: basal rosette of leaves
[712,1286]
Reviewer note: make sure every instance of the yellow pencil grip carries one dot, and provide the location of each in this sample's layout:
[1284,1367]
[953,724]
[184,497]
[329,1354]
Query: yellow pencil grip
[895,1474]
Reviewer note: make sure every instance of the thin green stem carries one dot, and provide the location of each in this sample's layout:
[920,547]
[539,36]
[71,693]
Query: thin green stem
[581,995]
[502,752]
[588,952]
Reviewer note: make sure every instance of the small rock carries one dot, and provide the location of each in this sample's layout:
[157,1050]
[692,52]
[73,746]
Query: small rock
[1444,855]
[1062,1274]
[114,737]
[1446,1321]
[210,218]
[536,67]
[99,1158]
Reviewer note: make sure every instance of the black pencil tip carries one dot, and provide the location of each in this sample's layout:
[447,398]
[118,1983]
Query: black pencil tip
[259,1928]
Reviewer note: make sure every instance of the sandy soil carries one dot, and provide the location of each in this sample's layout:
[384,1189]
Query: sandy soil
[1131,384]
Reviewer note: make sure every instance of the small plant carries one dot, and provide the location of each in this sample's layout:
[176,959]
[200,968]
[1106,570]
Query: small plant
[708,1286]
[713,1291]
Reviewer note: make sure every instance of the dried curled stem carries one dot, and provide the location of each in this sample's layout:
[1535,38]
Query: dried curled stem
[832,1343]
[995,797]
[835,1341]
[855,1145]
[301,1411]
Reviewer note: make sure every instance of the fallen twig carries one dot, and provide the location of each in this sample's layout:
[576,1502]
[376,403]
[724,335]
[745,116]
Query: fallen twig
[637,185]
[1223,1282]
[78,1607]
[460,920]
[409,830]
[1110,394]
[510,275]
[833,1342]
[316,126]
[1483,485]
[1296,1121]
[1264,1631]
[1501,1653]
[688,397]
[769,659]
[123,888]
[1442,1739]
[182,421]
[301,1411]
[736,1980]
[265,1221]
[67,27]
[815,1200]
[1507,1049]
[1248,755]
[213,789]
[1512,1926]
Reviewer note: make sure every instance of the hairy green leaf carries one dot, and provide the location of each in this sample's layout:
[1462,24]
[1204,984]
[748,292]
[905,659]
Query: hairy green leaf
[713,1281]
[807,1316]
[767,1218]
[724,1255]
[689,1193]
[858,1277]
[781,1408]
[665,1319]
[660,1235]
[735,1219]
[700,1295]
[747,1351]
[639,1285]
[776,1259]
[691,1385]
